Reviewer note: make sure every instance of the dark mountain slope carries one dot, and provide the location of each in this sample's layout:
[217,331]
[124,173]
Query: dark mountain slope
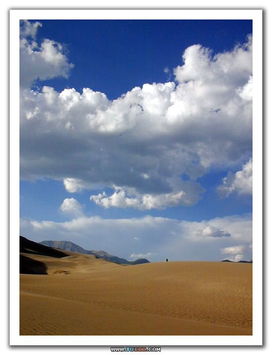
[30,266]
[28,246]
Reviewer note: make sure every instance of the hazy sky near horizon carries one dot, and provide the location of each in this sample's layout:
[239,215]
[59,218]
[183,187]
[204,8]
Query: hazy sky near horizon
[136,136]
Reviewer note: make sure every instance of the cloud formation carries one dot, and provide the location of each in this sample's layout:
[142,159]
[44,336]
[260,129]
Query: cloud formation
[140,256]
[72,207]
[235,253]
[161,237]
[73,185]
[213,232]
[153,142]
[123,198]
[40,61]
[239,182]
[29,29]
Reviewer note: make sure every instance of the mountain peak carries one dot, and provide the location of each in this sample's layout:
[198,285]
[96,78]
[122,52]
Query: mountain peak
[71,246]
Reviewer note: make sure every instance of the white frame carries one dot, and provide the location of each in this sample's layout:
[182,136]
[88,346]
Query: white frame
[252,14]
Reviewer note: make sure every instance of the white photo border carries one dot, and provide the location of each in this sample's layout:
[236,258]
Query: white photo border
[256,16]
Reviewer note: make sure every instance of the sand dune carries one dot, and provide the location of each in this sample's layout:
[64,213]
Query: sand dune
[82,295]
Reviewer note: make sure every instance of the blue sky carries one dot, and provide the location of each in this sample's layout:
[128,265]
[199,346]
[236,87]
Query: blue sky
[120,55]
[136,136]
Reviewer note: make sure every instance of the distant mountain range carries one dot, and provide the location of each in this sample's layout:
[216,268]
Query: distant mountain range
[70,246]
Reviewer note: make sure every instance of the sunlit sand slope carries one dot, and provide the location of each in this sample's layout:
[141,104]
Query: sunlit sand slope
[82,295]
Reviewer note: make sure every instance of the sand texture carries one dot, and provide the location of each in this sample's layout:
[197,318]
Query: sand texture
[82,295]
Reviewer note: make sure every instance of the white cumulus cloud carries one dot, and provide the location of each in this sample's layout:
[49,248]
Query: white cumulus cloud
[71,207]
[40,61]
[146,140]
[239,182]
[122,198]
[74,185]
[246,91]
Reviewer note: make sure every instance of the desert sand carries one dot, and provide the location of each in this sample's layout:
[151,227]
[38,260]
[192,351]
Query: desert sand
[82,295]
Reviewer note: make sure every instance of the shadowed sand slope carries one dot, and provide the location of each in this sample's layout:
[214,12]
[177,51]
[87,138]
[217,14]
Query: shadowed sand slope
[29,256]
[82,295]
[28,246]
